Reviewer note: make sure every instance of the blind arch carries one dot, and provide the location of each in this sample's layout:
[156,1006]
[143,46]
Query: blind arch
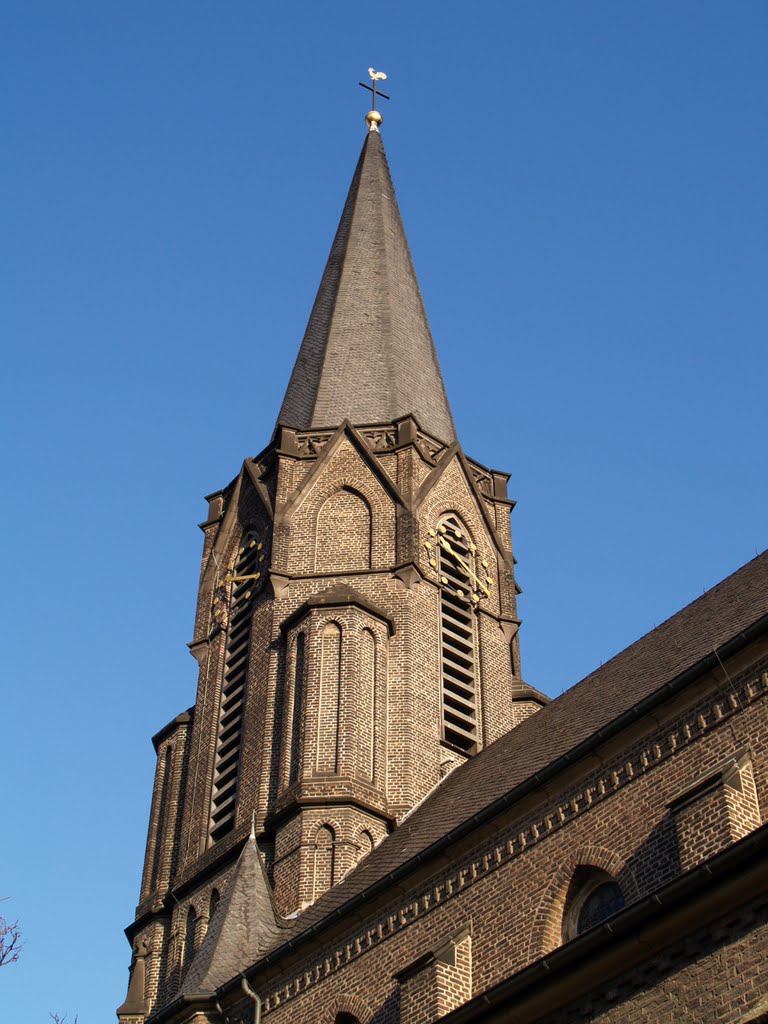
[343,535]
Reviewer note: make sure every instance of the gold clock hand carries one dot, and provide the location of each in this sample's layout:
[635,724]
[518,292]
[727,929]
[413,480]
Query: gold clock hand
[446,544]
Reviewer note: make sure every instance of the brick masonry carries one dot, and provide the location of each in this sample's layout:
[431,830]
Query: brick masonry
[523,868]
[367,753]
[345,743]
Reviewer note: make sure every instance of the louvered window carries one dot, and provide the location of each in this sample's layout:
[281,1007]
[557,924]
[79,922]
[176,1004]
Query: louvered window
[228,741]
[457,640]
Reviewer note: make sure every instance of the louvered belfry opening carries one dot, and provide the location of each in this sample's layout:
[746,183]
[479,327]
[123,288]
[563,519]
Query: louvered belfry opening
[227,762]
[457,641]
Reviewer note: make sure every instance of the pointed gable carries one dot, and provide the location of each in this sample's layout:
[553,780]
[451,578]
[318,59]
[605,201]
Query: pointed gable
[345,494]
[368,354]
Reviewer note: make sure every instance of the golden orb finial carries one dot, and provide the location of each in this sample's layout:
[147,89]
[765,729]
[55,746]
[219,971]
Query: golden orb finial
[373,118]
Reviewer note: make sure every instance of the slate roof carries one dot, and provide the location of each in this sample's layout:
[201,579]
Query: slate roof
[636,674]
[244,926]
[368,354]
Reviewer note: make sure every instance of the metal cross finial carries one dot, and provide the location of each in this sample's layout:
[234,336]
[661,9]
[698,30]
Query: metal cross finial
[376,76]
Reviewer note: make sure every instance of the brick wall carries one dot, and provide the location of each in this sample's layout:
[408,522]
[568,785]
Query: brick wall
[510,881]
[717,811]
[715,975]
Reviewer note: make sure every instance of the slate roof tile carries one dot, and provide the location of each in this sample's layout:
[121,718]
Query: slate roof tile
[244,926]
[367,353]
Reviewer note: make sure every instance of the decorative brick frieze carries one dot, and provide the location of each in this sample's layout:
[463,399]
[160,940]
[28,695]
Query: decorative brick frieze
[525,834]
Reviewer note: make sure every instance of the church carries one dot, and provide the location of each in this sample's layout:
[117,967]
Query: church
[368,816]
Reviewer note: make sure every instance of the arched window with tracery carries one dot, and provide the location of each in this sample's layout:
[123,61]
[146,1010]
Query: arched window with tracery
[593,897]
[455,554]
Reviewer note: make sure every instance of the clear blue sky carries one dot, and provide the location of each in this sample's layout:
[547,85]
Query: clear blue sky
[583,186]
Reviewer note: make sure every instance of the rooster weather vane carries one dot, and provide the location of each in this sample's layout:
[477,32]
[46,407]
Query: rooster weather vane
[376,76]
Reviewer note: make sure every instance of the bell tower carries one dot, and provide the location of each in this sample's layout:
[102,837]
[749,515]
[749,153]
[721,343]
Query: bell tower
[356,626]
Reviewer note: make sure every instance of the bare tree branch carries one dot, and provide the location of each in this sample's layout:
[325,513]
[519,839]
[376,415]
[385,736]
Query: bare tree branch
[10,942]
[58,1018]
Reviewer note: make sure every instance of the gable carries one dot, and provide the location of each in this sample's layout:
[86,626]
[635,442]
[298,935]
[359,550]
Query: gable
[342,517]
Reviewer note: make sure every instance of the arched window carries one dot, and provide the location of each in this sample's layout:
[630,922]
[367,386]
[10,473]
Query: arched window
[330,699]
[343,539]
[298,699]
[325,859]
[457,636]
[190,936]
[215,899]
[593,897]
[227,761]
[364,844]
[366,709]
[346,1018]
[166,766]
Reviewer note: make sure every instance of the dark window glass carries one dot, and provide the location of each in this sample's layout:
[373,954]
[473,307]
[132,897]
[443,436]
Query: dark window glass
[603,902]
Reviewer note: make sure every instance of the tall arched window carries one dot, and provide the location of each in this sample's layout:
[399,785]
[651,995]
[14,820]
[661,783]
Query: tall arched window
[343,539]
[330,703]
[325,859]
[214,902]
[190,936]
[364,844]
[227,759]
[162,814]
[457,637]
[296,709]
[366,709]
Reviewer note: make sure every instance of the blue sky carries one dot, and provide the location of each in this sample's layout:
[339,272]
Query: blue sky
[583,187]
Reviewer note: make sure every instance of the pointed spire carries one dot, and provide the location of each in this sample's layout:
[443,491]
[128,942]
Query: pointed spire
[368,354]
[244,926]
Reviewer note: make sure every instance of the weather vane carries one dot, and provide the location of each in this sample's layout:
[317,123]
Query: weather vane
[373,117]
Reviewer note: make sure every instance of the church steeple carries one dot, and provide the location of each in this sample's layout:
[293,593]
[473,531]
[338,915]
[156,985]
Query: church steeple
[355,633]
[367,354]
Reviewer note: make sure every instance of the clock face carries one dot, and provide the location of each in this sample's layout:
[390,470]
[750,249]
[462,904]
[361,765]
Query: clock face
[455,559]
[245,579]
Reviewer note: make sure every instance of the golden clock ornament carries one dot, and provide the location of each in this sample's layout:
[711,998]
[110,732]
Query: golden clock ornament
[454,558]
[245,579]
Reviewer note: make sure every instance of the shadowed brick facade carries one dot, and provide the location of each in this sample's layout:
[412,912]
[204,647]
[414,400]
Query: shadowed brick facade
[367,815]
